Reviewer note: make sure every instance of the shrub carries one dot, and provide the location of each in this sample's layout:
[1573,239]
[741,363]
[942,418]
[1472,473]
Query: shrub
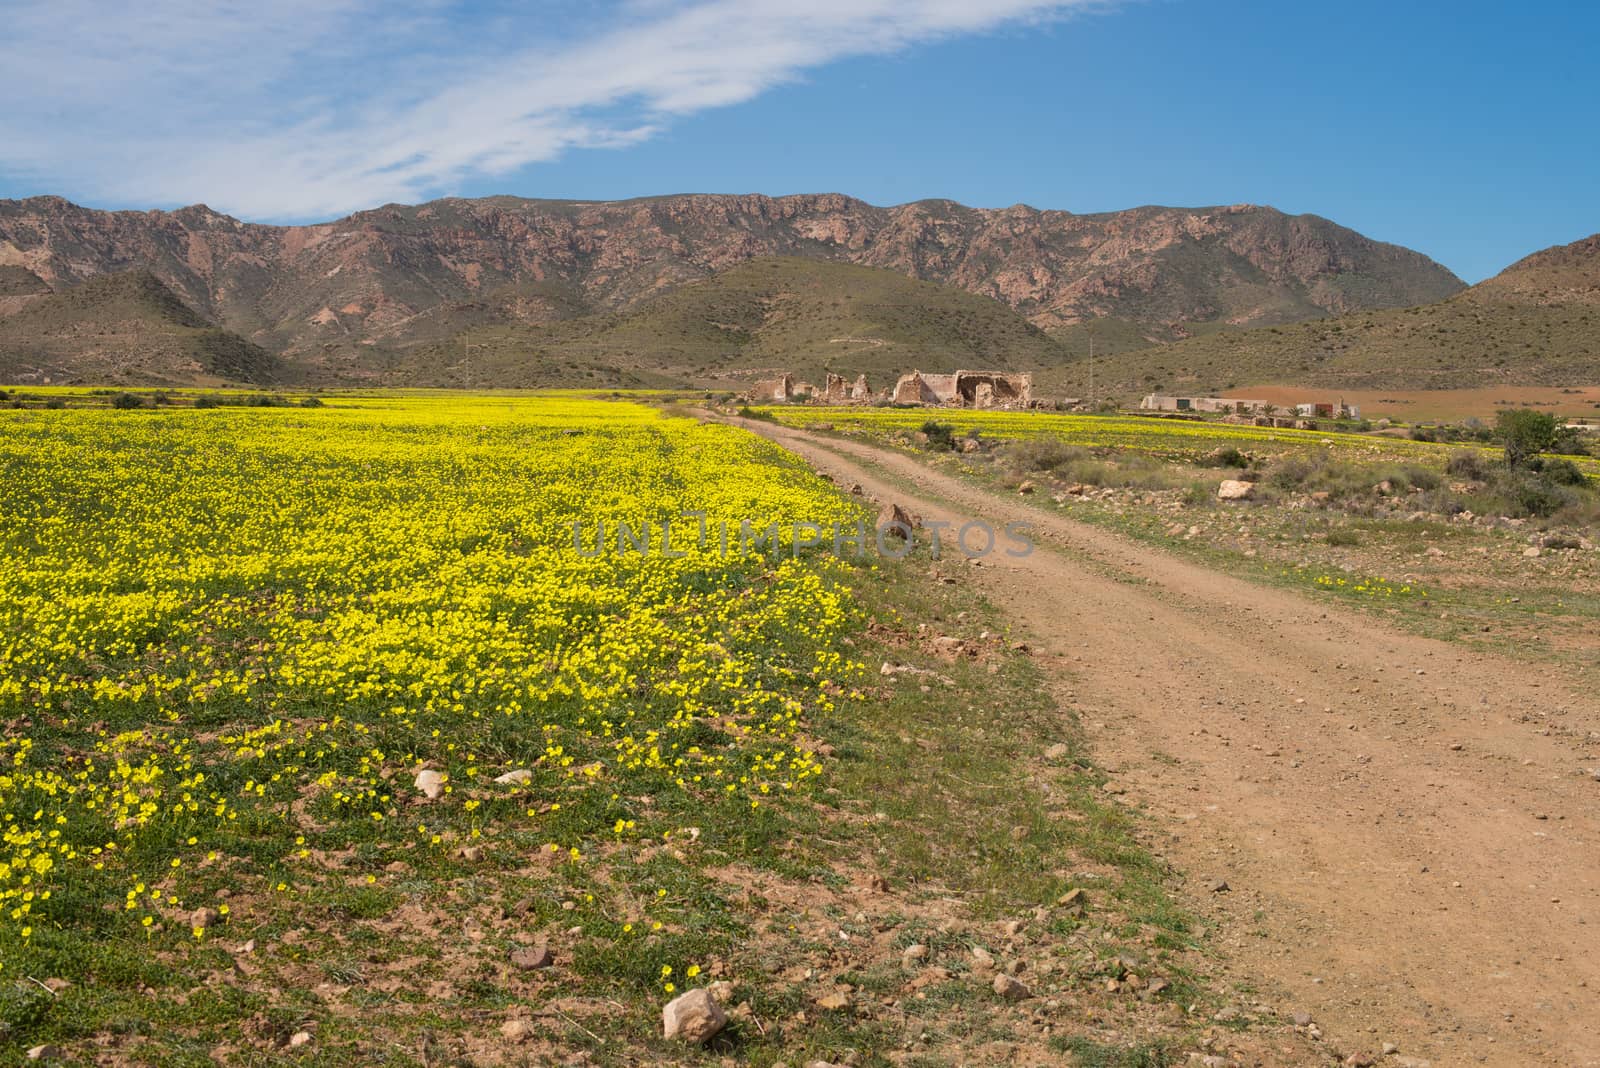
[1468,463]
[1227,456]
[1524,493]
[1525,433]
[1343,536]
[940,435]
[204,401]
[311,402]
[126,400]
[1561,472]
[1045,454]
[55,404]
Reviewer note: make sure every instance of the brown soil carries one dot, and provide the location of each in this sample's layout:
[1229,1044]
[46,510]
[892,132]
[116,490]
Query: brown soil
[1407,828]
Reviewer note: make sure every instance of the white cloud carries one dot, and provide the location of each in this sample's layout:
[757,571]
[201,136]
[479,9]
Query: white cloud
[298,108]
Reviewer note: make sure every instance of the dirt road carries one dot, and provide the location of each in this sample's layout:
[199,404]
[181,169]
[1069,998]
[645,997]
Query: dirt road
[1410,833]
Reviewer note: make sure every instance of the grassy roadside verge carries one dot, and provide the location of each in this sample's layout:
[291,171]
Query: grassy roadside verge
[1475,587]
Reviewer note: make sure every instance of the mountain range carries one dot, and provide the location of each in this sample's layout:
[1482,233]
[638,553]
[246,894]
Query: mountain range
[1537,323]
[663,290]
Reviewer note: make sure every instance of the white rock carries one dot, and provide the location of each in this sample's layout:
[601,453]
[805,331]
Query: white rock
[1233,490]
[515,778]
[695,1017]
[430,782]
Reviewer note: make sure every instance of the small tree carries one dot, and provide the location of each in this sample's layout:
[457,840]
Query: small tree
[1526,433]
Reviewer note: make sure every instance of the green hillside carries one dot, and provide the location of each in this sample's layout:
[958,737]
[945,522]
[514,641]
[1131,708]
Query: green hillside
[124,328]
[1535,324]
[800,315]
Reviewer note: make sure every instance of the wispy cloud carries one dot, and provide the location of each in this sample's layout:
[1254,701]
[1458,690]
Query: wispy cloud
[298,108]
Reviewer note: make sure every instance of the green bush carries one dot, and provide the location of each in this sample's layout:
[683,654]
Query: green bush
[126,401]
[1525,433]
[1227,456]
[1468,463]
[940,435]
[1561,472]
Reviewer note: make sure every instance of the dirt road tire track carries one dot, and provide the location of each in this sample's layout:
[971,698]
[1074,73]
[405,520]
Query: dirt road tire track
[1410,831]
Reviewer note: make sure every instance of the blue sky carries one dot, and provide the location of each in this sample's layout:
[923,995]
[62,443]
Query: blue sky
[1465,130]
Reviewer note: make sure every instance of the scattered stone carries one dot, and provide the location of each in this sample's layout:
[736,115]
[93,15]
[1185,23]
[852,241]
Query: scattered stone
[879,884]
[982,957]
[1025,488]
[517,1030]
[856,490]
[515,778]
[695,1017]
[44,1053]
[1234,490]
[1011,988]
[430,782]
[471,854]
[913,953]
[1074,900]
[1058,751]
[1301,1018]
[895,522]
[1532,552]
[532,958]
[833,1002]
[299,1038]
[1390,1049]
[204,918]
[1219,886]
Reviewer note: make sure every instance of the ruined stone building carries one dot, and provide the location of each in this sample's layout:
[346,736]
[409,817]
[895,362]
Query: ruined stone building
[965,389]
[961,389]
[838,391]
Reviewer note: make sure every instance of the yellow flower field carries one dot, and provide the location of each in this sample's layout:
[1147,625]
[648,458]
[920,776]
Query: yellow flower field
[230,639]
